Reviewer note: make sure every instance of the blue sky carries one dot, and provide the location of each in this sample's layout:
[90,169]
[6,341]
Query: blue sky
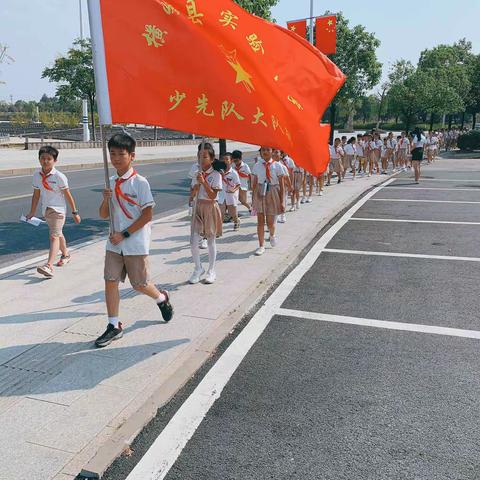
[36,31]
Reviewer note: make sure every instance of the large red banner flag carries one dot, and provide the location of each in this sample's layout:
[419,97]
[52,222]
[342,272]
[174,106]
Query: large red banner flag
[210,68]
[326,28]
[299,27]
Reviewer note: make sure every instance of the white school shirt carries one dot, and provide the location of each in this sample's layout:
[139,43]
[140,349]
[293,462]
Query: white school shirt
[359,148]
[244,173]
[289,163]
[379,144]
[52,198]
[385,150]
[138,189]
[349,149]
[214,179]
[230,180]
[419,143]
[276,171]
[391,143]
[335,153]
[403,143]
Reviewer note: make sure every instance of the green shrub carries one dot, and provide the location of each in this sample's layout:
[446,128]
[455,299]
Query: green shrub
[469,141]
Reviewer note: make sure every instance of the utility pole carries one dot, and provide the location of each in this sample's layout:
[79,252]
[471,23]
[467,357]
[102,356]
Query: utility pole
[86,130]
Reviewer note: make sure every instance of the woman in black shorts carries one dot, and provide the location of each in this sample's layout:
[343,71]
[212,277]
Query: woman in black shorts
[418,143]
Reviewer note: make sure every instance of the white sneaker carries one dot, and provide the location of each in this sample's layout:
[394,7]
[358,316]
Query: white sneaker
[320,194]
[45,270]
[298,206]
[273,241]
[196,276]
[303,200]
[210,277]
[292,209]
[309,200]
[203,244]
[260,251]
[282,218]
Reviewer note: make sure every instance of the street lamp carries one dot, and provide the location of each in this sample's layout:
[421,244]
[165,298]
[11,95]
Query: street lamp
[86,131]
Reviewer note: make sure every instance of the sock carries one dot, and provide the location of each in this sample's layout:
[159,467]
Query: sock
[212,254]
[113,321]
[161,298]
[196,239]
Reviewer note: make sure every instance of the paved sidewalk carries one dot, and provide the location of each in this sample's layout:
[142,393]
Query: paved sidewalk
[13,161]
[65,405]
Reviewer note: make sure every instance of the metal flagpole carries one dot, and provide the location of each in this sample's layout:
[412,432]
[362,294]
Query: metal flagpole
[86,131]
[103,138]
[194,206]
[311,22]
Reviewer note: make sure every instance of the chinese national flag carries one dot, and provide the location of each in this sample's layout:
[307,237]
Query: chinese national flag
[326,28]
[210,68]
[300,28]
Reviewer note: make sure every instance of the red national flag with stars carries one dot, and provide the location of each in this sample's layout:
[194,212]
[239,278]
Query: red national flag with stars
[326,28]
[210,68]
[299,27]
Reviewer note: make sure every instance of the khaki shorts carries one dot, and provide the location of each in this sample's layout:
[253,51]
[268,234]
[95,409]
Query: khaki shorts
[118,266]
[55,222]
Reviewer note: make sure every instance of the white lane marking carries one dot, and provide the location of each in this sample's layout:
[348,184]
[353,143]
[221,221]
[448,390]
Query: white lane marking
[368,322]
[402,255]
[438,180]
[405,200]
[399,220]
[473,189]
[164,452]
[16,197]
[41,258]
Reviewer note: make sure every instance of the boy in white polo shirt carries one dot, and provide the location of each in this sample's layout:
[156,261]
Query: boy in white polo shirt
[50,187]
[128,246]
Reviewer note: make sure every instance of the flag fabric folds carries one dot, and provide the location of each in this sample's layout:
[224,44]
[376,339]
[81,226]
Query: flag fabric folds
[299,27]
[210,68]
[326,33]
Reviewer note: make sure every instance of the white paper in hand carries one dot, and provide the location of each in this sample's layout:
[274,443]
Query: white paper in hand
[33,221]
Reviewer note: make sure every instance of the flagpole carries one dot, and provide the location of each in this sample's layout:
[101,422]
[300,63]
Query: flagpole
[311,22]
[103,137]
[195,199]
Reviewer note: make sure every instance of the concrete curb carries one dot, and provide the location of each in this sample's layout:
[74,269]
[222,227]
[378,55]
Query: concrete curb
[193,358]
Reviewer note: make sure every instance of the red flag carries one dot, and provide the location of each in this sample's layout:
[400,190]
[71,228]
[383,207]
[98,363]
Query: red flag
[299,27]
[210,68]
[326,28]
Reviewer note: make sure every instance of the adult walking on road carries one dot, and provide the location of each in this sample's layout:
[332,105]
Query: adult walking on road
[418,143]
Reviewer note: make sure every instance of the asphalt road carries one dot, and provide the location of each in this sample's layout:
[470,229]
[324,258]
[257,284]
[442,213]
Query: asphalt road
[19,241]
[327,399]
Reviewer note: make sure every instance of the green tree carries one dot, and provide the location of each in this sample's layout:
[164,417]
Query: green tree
[74,73]
[260,8]
[357,57]
[473,101]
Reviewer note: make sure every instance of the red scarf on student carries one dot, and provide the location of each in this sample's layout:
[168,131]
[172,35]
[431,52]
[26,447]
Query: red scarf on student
[44,181]
[120,195]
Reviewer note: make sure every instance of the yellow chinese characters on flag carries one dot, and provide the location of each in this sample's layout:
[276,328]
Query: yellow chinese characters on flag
[210,68]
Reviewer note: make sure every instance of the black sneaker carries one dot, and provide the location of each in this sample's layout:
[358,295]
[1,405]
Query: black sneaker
[111,333]
[166,307]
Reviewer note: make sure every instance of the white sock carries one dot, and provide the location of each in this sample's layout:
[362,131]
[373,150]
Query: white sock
[113,321]
[195,247]
[161,298]
[212,253]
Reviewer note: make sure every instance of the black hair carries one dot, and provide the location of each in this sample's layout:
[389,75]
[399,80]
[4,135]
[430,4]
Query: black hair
[208,147]
[418,133]
[344,137]
[122,141]
[227,154]
[219,165]
[237,155]
[49,150]
[351,139]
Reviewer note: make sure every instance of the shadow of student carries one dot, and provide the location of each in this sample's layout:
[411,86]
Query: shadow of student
[42,316]
[74,366]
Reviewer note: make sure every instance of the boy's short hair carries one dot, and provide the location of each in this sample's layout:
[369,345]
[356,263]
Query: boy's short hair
[122,141]
[227,154]
[237,155]
[49,150]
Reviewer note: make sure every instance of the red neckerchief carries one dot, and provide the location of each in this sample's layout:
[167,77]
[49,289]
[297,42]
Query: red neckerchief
[267,170]
[119,194]
[240,173]
[44,181]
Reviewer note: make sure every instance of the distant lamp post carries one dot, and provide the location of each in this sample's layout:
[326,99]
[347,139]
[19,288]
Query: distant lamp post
[86,130]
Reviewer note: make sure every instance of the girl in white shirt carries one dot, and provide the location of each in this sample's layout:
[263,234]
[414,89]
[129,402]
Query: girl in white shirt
[418,144]
[349,158]
[207,223]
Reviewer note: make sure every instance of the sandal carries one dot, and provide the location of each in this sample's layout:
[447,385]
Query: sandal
[64,259]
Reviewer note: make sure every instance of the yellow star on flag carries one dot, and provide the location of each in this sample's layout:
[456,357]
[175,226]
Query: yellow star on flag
[330,23]
[242,75]
[293,28]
